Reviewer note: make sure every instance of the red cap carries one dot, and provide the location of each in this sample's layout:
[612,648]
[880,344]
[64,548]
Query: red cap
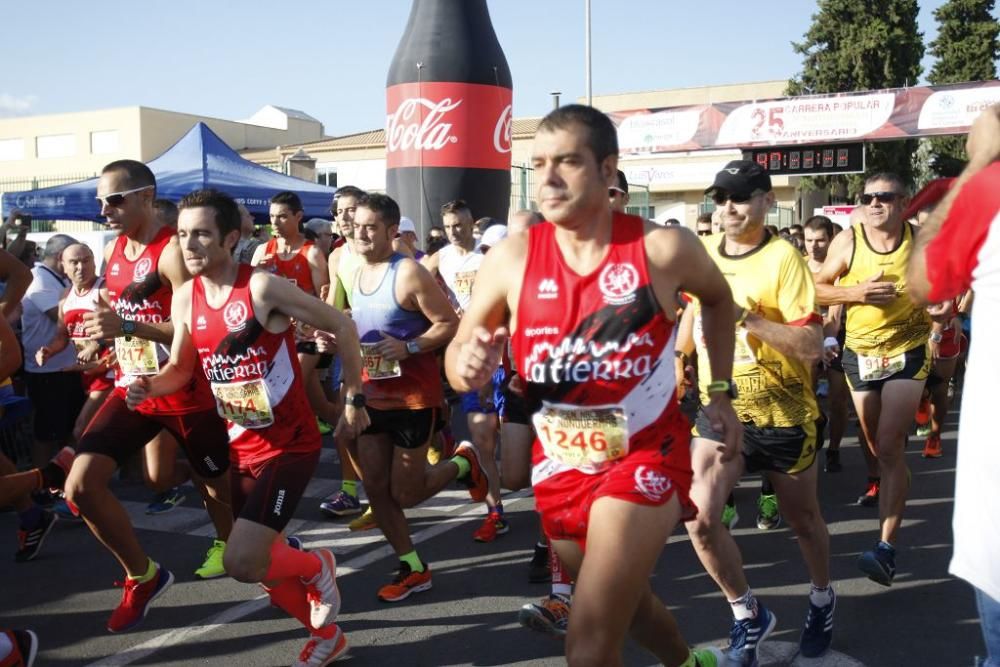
[929,196]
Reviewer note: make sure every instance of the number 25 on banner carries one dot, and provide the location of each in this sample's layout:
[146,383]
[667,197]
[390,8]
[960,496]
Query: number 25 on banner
[772,117]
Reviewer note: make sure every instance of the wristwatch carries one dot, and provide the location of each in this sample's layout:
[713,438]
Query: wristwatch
[727,387]
[357,400]
[128,327]
[936,337]
[412,347]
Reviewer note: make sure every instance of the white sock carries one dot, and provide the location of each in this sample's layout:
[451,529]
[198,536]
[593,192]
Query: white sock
[745,606]
[562,589]
[820,597]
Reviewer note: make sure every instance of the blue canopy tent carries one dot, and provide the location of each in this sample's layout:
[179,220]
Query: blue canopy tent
[199,159]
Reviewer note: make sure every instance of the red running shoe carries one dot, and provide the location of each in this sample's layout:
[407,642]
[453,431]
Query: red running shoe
[136,599]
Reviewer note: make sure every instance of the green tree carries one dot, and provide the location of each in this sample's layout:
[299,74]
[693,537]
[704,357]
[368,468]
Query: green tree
[966,49]
[855,45]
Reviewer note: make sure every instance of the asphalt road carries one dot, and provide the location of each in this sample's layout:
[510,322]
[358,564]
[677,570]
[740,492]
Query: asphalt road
[469,617]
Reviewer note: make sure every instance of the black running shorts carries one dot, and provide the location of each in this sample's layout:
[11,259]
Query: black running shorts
[268,493]
[409,429]
[917,366]
[785,449]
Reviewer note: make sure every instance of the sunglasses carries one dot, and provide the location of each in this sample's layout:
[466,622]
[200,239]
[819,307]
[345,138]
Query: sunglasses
[704,232]
[720,197]
[614,192]
[884,197]
[117,198]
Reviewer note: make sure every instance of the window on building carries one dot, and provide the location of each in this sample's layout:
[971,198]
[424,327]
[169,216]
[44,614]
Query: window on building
[104,142]
[11,149]
[56,145]
[327,177]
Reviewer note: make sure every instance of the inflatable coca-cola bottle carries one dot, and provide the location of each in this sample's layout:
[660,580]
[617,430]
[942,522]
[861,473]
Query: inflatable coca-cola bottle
[448,123]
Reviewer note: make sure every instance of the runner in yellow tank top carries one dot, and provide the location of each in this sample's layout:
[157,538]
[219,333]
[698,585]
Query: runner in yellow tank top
[885,357]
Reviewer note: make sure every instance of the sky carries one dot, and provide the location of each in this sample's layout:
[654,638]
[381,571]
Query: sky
[329,58]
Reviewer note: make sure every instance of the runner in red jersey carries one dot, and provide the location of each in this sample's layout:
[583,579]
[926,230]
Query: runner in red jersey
[144,267]
[591,297]
[82,297]
[236,325]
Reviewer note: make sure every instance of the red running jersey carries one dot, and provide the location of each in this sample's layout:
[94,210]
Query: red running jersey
[295,269]
[137,292]
[254,376]
[600,342]
[75,306]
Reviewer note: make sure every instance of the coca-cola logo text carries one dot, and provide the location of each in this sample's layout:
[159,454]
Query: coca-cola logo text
[405,132]
[501,134]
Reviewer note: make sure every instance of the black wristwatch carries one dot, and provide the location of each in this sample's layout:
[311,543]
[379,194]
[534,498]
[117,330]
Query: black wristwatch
[728,387]
[357,400]
[412,347]
[128,327]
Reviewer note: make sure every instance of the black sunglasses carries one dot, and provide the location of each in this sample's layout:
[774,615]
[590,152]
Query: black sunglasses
[614,192]
[720,197]
[704,232]
[884,197]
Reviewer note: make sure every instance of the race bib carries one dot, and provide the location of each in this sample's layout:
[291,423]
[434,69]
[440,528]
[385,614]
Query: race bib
[463,283]
[378,367]
[244,403]
[879,368]
[742,352]
[136,356]
[586,438]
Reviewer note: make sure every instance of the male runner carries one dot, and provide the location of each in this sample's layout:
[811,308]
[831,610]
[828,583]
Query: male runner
[885,355]
[591,301]
[458,264]
[778,339]
[144,267]
[237,326]
[402,318]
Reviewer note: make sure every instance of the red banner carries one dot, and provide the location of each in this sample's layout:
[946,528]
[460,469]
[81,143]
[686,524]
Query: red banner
[880,115]
[443,124]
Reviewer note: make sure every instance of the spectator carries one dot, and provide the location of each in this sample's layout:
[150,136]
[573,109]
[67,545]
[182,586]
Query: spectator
[703,226]
[434,233]
[245,247]
[407,239]
[322,231]
[618,194]
[166,212]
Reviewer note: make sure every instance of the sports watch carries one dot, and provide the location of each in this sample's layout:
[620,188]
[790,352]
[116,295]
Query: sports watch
[357,400]
[412,347]
[128,327]
[727,387]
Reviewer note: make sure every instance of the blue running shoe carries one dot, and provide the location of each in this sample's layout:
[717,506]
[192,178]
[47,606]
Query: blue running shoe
[879,563]
[745,637]
[166,501]
[295,543]
[340,504]
[818,633]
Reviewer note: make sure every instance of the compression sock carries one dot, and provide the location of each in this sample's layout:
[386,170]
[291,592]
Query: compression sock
[350,487]
[413,560]
[151,570]
[288,562]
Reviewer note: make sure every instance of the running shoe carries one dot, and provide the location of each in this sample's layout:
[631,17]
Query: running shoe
[832,457]
[24,647]
[492,526]
[538,570]
[364,522]
[768,517]
[923,416]
[295,543]
[923,431]
[136,599]
[61,462]
[67,511]
[708,657]
[166,501]
[729,514]
[340,504]
[818,633]
[405,583]
[29,542]
[322,591]
[320,651]
[550,616]
[932,448]
[870,497]
[212,568]
[879,563]
[324,428]
[476,481]
[746,635]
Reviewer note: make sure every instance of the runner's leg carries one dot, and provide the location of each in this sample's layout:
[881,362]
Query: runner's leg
[899,403]
[800,508]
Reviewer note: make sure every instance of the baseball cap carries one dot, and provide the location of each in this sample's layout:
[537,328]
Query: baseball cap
[493,235]
[406,225]
[929,195]
[741,178]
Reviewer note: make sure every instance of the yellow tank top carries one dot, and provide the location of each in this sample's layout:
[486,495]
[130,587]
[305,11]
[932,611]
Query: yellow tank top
[347,270]
[888,329]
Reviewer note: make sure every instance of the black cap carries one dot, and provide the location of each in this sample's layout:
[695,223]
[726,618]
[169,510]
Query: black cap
[622,182]
[742,178]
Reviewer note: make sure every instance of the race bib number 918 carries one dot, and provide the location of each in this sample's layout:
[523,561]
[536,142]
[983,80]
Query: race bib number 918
[586,438]
[872,369]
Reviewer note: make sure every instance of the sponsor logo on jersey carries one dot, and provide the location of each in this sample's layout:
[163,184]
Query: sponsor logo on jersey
[618,283]
[548,289]
[114,269]
[577,360]
[202,323]
[279,502]
[651,484]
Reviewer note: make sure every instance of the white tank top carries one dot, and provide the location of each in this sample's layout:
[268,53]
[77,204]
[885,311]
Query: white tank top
[459,272]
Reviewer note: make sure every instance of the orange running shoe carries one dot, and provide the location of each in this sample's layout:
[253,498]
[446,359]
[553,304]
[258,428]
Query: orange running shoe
[477,481]
[492,526]
[923,412]
[406,582]
[932,448]
[320,651]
